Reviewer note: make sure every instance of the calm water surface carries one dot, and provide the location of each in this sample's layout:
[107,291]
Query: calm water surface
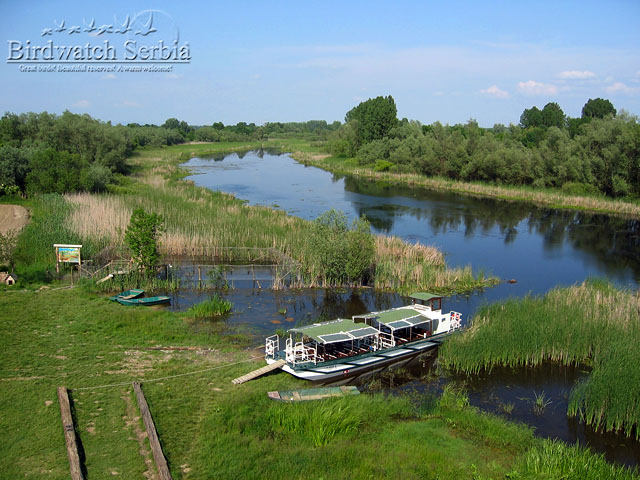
[539,247]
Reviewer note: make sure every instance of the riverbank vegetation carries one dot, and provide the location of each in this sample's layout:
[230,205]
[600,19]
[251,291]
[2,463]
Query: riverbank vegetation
[592,324]
[210,428]
[595,154]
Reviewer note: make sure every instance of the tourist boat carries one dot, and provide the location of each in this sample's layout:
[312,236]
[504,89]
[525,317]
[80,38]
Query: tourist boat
[335,349]
[146,301]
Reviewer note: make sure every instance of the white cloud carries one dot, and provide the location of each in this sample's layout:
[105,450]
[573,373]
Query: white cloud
[576,74]
[173,75]
[532,87]
[127,103]
[81,104]
[619,87]
[494,91]
[110,76]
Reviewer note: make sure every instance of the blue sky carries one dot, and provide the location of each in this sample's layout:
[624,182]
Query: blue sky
[295,61]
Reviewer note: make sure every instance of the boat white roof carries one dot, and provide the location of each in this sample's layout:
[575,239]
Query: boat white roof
[397,318]
[341,330]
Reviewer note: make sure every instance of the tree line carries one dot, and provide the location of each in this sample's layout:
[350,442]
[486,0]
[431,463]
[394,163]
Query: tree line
[597,153]
[47,153]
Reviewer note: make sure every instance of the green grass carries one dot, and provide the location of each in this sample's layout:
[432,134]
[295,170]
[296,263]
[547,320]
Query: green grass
[592,324]
[208,427]
[213,308]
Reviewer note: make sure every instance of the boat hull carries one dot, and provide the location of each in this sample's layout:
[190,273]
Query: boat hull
[148,301]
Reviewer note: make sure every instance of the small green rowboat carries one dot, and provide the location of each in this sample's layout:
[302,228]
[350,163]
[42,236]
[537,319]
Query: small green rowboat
[313,394]
[147,301]
[128,294]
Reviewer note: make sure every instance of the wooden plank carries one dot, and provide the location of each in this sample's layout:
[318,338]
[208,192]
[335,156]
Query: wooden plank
[69,434]
[158,456]
[258,372]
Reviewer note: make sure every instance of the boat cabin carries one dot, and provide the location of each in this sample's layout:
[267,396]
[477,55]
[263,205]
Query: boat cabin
[428,300]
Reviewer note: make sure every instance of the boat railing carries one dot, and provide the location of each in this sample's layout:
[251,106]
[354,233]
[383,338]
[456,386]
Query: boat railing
[385,340]
[456,320]
[272,346]
[298,352]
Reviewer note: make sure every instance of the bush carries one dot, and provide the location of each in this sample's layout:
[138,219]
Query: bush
[142,237]
[577,188]
[382,166]
[340,253]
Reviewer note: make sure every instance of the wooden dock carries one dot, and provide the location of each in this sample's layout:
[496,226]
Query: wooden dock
[256,373]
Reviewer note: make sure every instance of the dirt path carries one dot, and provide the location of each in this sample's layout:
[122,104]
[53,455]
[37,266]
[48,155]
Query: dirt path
[12,217]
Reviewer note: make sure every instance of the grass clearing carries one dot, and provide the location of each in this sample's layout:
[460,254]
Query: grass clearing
[593,324]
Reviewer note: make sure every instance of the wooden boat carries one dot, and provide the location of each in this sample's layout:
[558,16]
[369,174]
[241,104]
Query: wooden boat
[128,294]
[331,350]
[146,301]
[313,394]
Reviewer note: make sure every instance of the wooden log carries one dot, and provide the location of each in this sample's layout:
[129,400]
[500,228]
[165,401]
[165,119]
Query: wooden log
[69,434]
[158,456]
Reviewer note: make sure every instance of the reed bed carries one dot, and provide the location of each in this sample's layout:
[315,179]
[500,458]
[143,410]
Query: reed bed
[592,323]
[545,197]
[98,216]
[213,308]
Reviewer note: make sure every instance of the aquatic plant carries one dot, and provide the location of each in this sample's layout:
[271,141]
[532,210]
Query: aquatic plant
[540,402]
[592,323]
[214,307]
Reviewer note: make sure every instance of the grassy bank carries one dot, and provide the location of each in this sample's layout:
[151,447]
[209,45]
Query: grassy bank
[593,324]
[538,196]
[201,223]
[210,428]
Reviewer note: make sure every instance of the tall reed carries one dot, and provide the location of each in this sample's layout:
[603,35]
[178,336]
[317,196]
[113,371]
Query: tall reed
[593,323]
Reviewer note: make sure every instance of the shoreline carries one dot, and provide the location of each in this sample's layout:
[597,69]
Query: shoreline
[540,198]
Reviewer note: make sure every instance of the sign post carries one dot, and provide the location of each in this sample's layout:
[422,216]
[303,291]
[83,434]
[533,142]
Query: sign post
[67,254]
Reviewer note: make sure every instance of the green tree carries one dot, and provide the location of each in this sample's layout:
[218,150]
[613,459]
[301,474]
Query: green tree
[598,108]
[375,118]
[553,116]
[55,172]
[142,237]
[531,117]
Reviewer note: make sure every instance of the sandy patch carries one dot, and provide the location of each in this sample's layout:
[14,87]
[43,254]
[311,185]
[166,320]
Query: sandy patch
[12,217]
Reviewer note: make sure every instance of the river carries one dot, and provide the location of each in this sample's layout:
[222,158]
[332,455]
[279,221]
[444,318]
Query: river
[539,248]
